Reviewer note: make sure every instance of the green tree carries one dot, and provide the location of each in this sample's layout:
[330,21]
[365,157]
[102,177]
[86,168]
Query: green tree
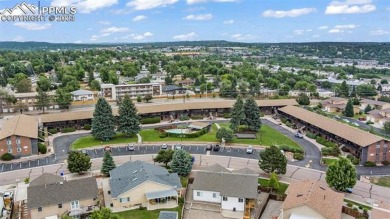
[366,90]
[153,68]
[367,109]
[164,156]
[139,99]
[44,83]
[225,133]
[148,97]
[95,85]
[349,109]
[344,89]
[252,114]
[129,121]
[78,162]
[103,127]
[341,174]
[104,213]
[23,86]
[303,99]
[108,164]
[273,160]
[386,127]
[283,91]
[181,162]
[273,181]
[63,98]
[43,100]
[237,114]
[353,93]
[17,77]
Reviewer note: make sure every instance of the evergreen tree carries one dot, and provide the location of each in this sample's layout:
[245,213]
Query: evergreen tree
[78,162]
[43,100]
[273,181]
[252,115]
[129,120]
[272,160]
[353,93]
[108,164]
[164,156]
[341,174]
[303,99]
[349,109]
[367,109]
[181,162]
[63,98]
[344,89]
[103,121]
[386,127]
[237,114]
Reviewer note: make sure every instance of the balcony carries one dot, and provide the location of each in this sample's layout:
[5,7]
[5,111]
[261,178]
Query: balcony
[82,210]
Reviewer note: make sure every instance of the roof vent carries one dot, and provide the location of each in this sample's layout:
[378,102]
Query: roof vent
[322,188]
[135,171]
[134,179]
[299,195]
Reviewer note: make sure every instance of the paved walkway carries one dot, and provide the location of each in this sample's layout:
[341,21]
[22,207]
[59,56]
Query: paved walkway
[273,209]
[139,138]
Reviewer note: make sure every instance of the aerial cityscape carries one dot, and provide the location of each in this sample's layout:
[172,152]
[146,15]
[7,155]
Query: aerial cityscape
[194,109]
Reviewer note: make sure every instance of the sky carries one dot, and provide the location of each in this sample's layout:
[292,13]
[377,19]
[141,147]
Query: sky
[133,21]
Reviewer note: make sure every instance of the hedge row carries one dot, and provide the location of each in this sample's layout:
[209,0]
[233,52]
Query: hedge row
[184,118]
[311,135]
[52,131]
[324,142]
[185,135]
[68,129]
[369,164]
[7,157]
[227,115]
[196,117]
[291,149]
[151,120]
[330,151]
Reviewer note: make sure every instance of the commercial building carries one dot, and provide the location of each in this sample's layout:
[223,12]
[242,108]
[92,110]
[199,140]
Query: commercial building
[117,92]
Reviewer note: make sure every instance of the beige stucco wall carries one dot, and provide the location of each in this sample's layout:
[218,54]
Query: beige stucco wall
[54,210]
[304,211]
[137,195]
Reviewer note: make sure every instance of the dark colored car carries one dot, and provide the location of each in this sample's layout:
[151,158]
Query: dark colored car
[216,147]
[209,147]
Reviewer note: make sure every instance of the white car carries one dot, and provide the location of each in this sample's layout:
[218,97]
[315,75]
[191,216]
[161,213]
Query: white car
[346,120]
[164,146]
[178,146]
[356,124]
[131,147]
[249,150]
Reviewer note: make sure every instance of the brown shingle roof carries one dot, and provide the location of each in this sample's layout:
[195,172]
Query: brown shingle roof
[21,125]
[315,195]
[156,108]
[347,132]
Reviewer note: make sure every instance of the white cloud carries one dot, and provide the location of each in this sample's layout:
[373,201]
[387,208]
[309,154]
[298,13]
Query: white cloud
[323,27]
[32,26]
[85,6]
[342,28]
[188,36]
[309,30]
[335,31]
[114,30]
[139,18]
[379,32]
[190,2]
[104,22]
[78,41]
[199,17]
[350,7]
[290,13]
[18,38]
[242,36]
[228,22]
[299,32]
[149,4]
[138,36]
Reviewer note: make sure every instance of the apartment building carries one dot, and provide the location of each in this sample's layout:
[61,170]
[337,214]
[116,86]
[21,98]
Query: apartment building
[27,100]
[115,92]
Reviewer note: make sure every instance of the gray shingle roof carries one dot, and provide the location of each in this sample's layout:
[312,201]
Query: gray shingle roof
[131,174]
[168,215]
[228,184]
[82,92]
[46,178]
[57,193]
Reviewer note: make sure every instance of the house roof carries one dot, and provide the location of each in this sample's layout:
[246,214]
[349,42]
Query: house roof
[46,178]
[21,125]
[315,195]
[167,215]
[198,125]
[57,193]
[228,183]
[161,194]
[156,108]
[82,92]
[347,132]
[131,174]
[373,102]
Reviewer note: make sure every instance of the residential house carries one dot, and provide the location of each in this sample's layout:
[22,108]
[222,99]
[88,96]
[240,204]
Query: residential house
[173,90]
[234,191]
[379,105]
[184,83]
[50,196]
[28,100]
[115,92]
[337,105]
[379,117]
[137,183]
[82,95]
[311,199]
[19,136]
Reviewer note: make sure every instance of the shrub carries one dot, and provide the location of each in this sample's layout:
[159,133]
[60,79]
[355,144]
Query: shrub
[163,135]
[311,135]
[27,180]
[291,149]
[350,157]
[7,157]
[52,131]
[330,151]
[365,210]
[369,164]
[196,117]
[385,162]
[361,207]
[284,120]
[355,209]
[349,204]
[355,161]
[151,120]
[184,117]
[324,142]
[68,129]
[42,148]
[87,127]
[369,123]
[298,156]
[142,208]
[227,115]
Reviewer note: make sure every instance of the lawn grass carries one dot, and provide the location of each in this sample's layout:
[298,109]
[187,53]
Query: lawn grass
[145,214]
[90,141]
[329,161]
[282,186]
[382,181]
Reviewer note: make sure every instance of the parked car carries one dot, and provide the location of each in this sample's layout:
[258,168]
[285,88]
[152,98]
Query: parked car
[355,124]
[216,147]
[362,119]
[209,147]
[131,147]
[249,150]
[178,146]
[107,149]
[346,120]
[164,146]
[348,190]
[298,135]
[337,117]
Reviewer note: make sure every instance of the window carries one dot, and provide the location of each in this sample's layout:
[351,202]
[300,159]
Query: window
[59,205]
[39,209]
[214,195]
[10,151]
[240,200]
[75,204]
[9,141]
[124,200]
[225,199]
[19,149]
[17,140]
[198,194]
[378,146]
